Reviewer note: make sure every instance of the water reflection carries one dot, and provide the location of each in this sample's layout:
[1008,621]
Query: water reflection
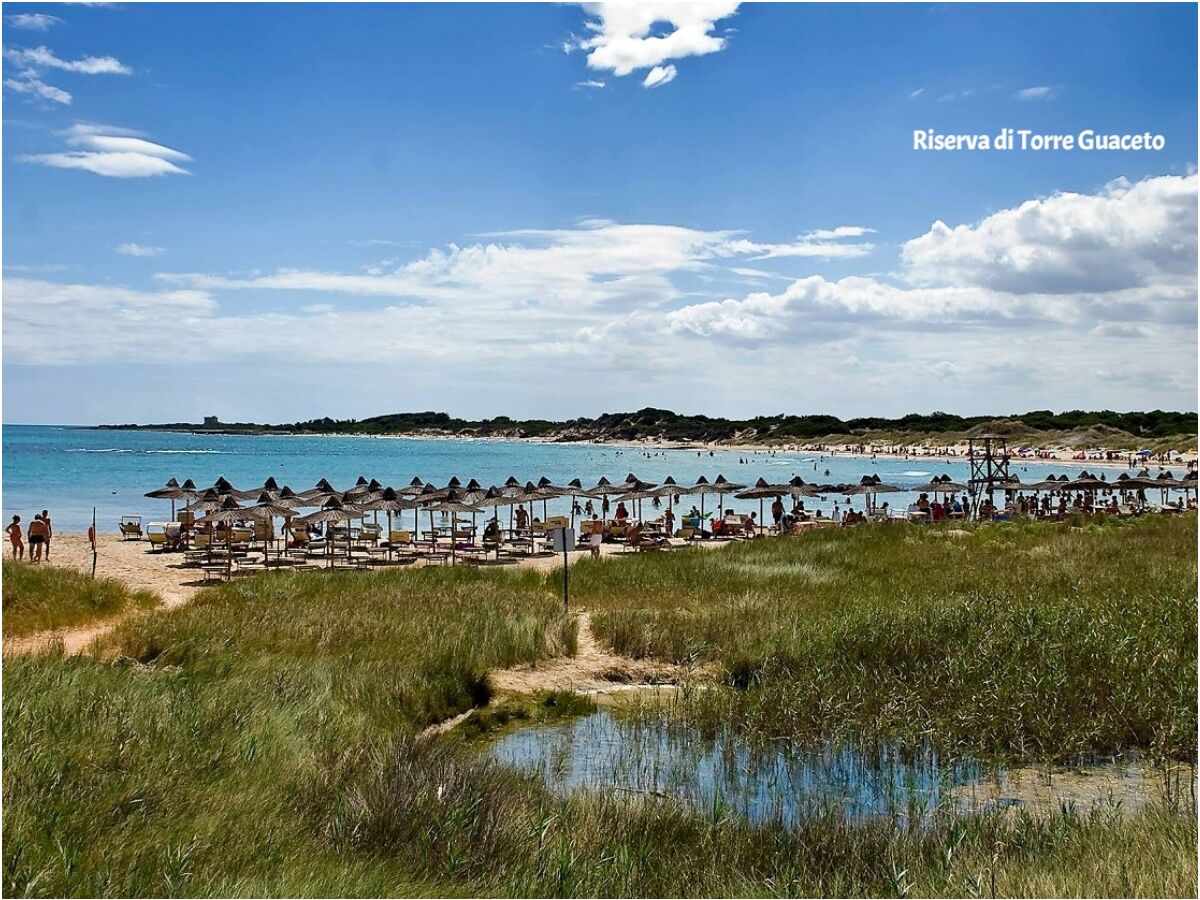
[786,784]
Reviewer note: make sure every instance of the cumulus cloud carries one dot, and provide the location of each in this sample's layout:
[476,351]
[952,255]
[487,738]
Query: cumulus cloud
[132,249]
[1125,235]
[33,21]
[623,38]
[113,152]
[659,75]
[603,296]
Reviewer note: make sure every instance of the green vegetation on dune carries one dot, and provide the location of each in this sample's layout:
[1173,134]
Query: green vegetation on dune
[262,739]
[1032,639]
[37,598]
[1103,428]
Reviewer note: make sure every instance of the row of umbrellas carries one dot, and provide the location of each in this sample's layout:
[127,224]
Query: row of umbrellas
[220,503]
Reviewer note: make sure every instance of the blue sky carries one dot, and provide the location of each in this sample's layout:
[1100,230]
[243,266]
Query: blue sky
[371,208]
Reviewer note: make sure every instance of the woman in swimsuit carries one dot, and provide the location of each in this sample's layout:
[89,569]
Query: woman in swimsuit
[14,536]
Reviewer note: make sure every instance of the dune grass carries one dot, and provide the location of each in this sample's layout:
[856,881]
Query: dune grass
[1037,640]
[261,740]
[37,598]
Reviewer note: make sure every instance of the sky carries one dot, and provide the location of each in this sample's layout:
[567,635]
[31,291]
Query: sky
[280,212]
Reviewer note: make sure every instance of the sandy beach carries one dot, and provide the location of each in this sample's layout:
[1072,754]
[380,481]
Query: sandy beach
[164,573]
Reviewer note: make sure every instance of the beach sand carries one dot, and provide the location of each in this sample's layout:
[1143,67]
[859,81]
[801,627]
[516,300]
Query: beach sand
[164,573]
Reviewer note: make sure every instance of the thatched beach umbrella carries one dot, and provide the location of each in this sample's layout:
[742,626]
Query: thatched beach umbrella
[332,512]
[228,513]
[389,501]
[269,508]
[172,491]
[453,503]
[724,486]
[225,489]
[760,491]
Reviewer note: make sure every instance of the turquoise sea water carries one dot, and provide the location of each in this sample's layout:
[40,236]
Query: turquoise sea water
[68,470]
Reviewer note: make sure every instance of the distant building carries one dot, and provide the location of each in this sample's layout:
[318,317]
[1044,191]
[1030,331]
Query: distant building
[211,421]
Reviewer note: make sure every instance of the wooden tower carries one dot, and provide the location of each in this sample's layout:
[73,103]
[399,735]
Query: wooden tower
[989,467]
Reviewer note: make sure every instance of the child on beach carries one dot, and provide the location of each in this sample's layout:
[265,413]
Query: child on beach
[15,538]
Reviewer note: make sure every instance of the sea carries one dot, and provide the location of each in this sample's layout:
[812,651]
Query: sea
[73,470]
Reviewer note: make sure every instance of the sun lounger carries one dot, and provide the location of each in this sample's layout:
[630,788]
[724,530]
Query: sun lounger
[131,528]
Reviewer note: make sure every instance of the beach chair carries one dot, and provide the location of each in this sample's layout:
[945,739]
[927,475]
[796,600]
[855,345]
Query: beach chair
[158,541]
[131,528]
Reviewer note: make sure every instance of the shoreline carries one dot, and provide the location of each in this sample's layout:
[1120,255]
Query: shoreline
[1060,455]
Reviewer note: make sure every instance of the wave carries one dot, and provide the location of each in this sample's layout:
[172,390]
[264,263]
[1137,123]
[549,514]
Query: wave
[916,474]
[187,451]
[105,450]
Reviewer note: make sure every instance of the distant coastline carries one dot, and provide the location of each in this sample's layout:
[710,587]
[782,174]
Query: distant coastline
[1157,430]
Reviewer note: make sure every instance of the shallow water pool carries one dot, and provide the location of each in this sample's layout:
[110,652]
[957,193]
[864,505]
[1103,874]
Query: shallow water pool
[787,784]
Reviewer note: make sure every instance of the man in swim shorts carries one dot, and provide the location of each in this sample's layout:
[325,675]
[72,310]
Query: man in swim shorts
[37,538]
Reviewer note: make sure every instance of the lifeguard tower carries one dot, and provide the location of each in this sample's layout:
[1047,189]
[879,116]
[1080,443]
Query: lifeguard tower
[988,456]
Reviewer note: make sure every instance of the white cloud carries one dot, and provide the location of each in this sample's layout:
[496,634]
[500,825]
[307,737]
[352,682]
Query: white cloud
[113,152]
[623,39]
[1042,92]
[591,84]
[108,143]
[913,95]
[599,263]
[44,58]
[602,297]
[33,21]
[1126,235]
[659,75]
[111,165]
[28,83]
[842,231]
[132,249]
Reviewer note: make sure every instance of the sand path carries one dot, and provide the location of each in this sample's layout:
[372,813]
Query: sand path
[165,574]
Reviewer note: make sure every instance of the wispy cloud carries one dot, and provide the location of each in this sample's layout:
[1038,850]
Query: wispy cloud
[33,21]
[45,58]
[132,249]
[913,95]
[623,37]
[1040,92]
[659,75]
[114,153]
[28,83]
[591,84]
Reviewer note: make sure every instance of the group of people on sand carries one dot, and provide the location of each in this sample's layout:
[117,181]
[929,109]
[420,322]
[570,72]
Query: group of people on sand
[40,533]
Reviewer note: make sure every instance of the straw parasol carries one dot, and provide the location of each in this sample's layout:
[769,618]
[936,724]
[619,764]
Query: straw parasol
[173,491]
[334,510]
[321,491]
[798,488]
[1085,482]
[637,491]
[269,507]
[453,503]
[225,489]
[724,486]
[760,491]
[939,484]
[208,501]
[389,501]
[227,513]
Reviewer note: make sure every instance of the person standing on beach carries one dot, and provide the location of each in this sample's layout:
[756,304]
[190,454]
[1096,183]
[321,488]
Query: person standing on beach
[15,538]
[37,537]
[49,531]
[777,513]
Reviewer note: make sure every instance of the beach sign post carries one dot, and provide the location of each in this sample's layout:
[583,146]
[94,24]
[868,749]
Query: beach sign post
[92,541]
[563,540]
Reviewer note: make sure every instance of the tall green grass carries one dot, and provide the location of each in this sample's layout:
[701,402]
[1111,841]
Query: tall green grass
[1039,640]
[260,740]
[37,598]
